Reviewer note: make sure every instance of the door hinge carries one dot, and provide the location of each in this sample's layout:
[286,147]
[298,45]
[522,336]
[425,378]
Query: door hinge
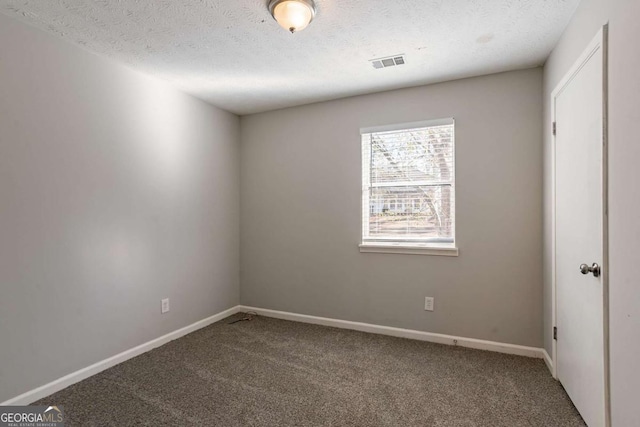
[554,128]
[555,333]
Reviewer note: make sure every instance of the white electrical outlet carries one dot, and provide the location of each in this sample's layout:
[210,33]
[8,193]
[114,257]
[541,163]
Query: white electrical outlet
[428,303]
[165,305]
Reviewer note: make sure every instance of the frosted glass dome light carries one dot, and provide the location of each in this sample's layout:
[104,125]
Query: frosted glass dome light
[293,15]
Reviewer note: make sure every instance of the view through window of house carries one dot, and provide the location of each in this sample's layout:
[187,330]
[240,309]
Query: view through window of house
[408,182]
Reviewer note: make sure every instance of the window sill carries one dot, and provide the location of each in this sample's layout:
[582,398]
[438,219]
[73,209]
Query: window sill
[408,249]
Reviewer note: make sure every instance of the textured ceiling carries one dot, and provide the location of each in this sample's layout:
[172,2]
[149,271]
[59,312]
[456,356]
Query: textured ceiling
[232,54]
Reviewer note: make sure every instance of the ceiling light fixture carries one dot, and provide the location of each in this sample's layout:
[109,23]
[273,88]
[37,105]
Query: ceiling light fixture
[293,15]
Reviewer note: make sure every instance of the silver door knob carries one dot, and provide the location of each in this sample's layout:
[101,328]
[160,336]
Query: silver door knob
[594,269]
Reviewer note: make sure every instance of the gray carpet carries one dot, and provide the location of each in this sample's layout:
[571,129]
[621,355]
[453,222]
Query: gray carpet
[270,372]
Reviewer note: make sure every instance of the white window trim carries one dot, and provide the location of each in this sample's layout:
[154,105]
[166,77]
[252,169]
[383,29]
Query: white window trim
[410,125]
[409,248]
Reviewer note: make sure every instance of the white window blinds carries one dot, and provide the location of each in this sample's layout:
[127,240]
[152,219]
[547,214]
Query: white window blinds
[408,184]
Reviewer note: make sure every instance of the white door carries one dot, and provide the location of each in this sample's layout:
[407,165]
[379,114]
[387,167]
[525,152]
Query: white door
[580,230]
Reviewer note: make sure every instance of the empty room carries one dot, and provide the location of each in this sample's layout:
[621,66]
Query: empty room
[319,213]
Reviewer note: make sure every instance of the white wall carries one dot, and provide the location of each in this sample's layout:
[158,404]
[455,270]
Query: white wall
[115,191]
[300,206]
[624,192]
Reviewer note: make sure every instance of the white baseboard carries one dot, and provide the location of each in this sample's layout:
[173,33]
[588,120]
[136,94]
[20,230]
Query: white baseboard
[498,347]
[74,377]
[548,361]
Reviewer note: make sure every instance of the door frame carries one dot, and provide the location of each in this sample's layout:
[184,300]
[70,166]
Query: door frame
[600,41]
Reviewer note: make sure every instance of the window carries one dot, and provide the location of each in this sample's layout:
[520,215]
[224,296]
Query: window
[408,188]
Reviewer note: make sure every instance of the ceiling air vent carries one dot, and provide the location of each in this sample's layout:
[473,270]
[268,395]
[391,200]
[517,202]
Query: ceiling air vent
[390,61]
